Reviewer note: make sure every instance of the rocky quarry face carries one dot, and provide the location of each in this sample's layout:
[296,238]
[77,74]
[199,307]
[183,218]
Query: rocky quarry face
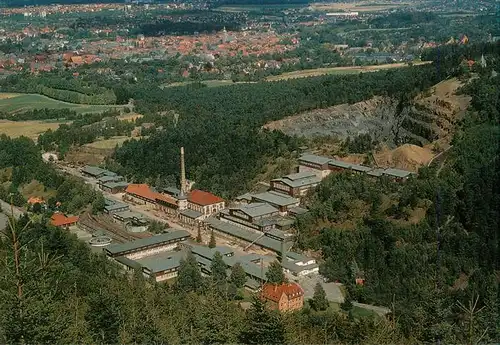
[385,119]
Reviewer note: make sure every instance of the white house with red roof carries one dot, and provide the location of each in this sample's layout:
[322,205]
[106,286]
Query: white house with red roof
[205,203]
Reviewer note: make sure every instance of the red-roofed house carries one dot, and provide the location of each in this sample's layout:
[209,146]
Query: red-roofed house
[204,202]
[284,297]
[60,220]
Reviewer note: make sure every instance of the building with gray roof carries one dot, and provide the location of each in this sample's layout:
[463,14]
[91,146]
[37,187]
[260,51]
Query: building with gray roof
[397,174]
[253,211]
[247,237]
[360,168]
[96,172]
[189,216]
[132,217]
[111,206]
[162,266]
[106,178]
[278,200]
[314,159]
[147,246]
[296,185]
[114,186]
[375,172]
[337,165]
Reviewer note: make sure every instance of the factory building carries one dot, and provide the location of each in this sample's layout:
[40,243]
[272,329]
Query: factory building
[323,166]
[148,246]
[296,185]
[96,172]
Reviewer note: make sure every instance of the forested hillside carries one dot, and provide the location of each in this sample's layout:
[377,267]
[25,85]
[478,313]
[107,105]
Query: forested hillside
[435,271]
[220,127]
[21,163]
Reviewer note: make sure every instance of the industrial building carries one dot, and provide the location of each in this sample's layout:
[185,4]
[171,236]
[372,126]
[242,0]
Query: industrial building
[163,266]
[296,185]
[112,206]
[323,166]
[257,216]
[271,240]
[114,187]
[315,164]
[148,246]
[96,172]
[282,202]
[205,203]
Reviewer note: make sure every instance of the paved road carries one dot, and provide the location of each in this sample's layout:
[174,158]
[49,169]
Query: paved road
[379,310]
[18,212]
[332,290]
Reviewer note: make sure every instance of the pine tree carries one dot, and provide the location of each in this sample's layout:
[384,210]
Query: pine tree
[238,276]
[262,326]
[319,301]
[218,268]
[275,273]
[189,277]
[212,242]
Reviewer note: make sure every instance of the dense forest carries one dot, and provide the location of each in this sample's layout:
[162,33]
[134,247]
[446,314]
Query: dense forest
[57,291]
[221,127]
[21,163]
[440,273]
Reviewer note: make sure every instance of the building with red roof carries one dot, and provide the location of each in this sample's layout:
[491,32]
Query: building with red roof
[140,194]
[205,203]
[284,297]
[60,220]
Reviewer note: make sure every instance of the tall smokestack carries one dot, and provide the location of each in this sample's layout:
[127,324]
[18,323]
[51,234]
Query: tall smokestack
[183,173]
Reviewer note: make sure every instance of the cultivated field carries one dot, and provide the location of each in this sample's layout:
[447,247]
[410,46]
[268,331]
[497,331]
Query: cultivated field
[338,70]
[361,6]
[13,103]
[30,129]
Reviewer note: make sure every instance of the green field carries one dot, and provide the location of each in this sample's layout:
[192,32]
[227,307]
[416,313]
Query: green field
[340,70]
[14,103]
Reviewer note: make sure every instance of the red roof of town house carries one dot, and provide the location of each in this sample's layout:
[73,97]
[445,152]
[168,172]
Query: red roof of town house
[59,219]
[203,198]
[141,190]
[274,292]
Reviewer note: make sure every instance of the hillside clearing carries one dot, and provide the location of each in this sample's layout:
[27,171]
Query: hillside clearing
[108,143]
[129,117]
[13,103]
[30,129]
[339,70]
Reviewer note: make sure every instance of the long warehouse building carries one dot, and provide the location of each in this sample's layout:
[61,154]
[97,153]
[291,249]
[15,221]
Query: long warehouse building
[148,246]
